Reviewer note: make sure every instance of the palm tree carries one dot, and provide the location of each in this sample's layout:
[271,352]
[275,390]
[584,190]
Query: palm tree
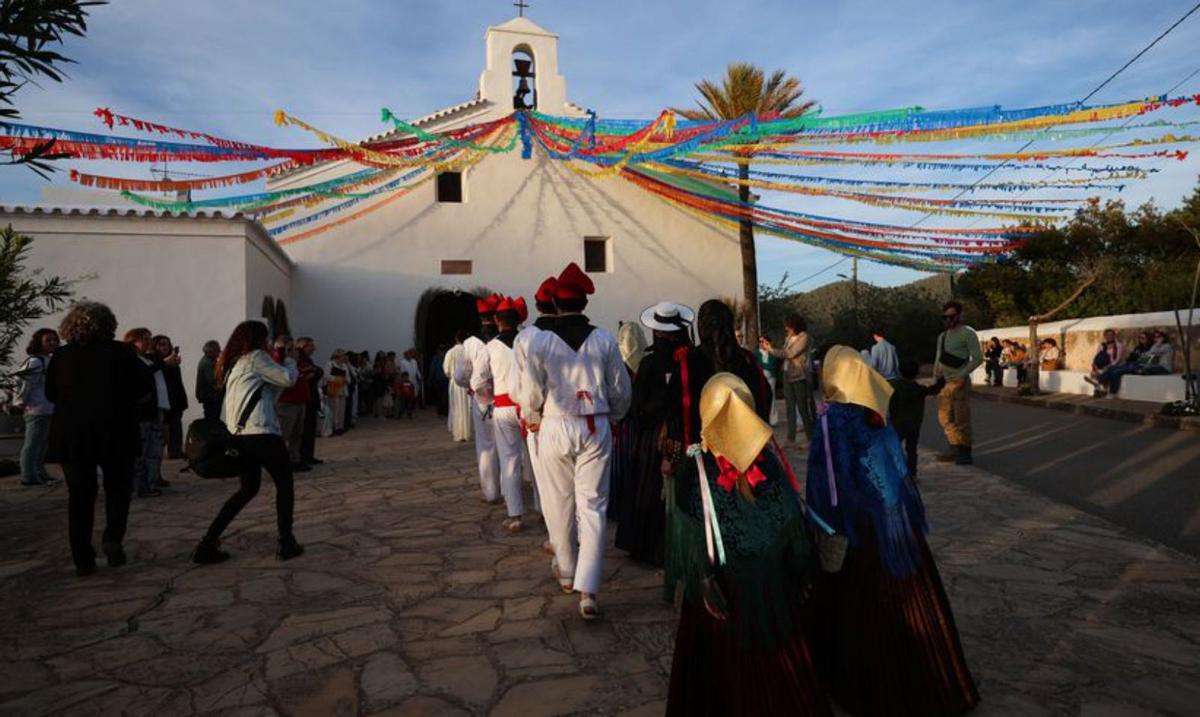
[746,89]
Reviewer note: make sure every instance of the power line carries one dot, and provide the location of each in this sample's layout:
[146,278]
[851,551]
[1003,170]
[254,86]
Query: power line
[1099,141]
[815,274]
[1029,143]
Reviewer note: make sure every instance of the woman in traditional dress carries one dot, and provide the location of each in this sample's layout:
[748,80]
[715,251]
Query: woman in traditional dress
[459,420]
[632,341]
[883,629]
[741,551]
[656,398]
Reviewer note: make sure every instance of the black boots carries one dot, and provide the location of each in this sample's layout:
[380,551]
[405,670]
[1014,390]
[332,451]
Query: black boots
[209,552]
[959,455]
[115,554]
[289,548]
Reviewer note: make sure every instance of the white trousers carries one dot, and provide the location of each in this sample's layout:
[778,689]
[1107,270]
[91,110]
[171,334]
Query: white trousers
[575,460]
[510,448]
[485,452]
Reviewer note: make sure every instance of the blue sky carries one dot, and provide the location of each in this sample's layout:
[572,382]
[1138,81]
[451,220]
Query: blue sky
[224,65]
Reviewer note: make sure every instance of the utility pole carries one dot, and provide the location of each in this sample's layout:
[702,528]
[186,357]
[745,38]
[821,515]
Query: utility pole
[854,284]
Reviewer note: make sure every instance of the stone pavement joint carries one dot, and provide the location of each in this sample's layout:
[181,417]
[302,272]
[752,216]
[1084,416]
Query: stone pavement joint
[411,600]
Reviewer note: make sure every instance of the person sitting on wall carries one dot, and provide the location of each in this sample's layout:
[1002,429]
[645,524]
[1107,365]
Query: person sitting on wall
[993,356]
[1109,355]
[1015,358]
[1050,355]
[1157,359]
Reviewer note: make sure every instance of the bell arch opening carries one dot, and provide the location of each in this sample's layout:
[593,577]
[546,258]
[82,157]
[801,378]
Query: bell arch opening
[524,74]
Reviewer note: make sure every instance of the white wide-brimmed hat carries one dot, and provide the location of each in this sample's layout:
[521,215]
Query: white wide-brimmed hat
[668,316]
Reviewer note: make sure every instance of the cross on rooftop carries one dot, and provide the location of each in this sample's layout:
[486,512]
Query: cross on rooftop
[520,5]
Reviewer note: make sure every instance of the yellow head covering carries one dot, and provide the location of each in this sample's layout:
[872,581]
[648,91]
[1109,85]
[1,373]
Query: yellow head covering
[848,379]
[632,341]
[729,426]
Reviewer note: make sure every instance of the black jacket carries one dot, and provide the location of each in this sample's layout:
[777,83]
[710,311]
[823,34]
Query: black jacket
[176,392]
[96,391]
[147,406]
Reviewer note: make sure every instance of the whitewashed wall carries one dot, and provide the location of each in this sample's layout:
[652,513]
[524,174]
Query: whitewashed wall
[192,278]
[358,284]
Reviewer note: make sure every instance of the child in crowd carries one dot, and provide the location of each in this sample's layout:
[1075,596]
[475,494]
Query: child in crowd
[907,408]
[406,390]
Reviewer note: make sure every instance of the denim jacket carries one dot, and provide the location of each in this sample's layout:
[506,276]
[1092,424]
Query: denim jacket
[251,371]
[32,375]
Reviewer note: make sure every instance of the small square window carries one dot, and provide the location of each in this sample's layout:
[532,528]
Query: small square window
[596,259]
[449,187]
[456,266]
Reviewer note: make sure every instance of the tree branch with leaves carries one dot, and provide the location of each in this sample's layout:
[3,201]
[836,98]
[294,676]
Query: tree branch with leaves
[30,33]
[26,296]
[746,89]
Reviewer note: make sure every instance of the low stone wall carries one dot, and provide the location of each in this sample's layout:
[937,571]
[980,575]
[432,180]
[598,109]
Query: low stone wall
[1080,338]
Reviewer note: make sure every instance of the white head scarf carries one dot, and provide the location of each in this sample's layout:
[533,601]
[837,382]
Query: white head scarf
[632,341]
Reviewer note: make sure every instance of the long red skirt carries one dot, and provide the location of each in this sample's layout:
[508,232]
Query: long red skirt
[712,674]
[888,645]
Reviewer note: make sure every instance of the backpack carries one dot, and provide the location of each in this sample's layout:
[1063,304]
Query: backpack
[211,450]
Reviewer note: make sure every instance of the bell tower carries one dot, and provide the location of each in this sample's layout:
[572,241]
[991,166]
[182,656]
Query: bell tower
[522,69]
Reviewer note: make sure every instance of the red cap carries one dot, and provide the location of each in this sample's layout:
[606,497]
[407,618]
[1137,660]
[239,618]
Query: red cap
[573,284]
[517,305]
[545,292]
[488,305]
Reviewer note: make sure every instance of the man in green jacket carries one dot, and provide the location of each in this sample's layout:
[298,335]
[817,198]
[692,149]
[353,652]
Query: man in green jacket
[958,354]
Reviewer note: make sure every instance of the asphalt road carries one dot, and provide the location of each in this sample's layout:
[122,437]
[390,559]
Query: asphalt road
[1144,479]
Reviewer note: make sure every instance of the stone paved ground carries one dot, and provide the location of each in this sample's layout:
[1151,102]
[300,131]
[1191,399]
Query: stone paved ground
[411,601]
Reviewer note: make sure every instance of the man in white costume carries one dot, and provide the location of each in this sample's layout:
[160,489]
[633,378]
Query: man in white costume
[543,300]
[458,420]
[408,362]
[468,375]
[498,366]
[578,385]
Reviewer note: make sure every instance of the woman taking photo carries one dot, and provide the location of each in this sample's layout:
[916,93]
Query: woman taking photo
[797,393]
[96,385]
[251,378]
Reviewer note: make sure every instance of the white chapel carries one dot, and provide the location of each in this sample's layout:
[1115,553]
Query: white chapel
[404,275]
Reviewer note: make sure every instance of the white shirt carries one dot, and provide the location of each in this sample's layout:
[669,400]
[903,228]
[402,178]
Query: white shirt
[592,381]
[525,338]
[414,371]
[469,371]
[502,368]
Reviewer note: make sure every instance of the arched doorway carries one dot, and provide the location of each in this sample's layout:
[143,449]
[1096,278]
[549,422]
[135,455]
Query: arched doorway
[440,314]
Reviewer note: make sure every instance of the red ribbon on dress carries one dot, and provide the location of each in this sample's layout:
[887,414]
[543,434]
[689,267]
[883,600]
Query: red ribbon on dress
[730,473]
[680,356]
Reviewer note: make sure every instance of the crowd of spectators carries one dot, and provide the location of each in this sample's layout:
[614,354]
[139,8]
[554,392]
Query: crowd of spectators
[1150,355]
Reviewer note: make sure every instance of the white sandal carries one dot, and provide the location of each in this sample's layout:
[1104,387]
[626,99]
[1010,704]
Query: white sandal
[588,609]
[514,525]
[564,583]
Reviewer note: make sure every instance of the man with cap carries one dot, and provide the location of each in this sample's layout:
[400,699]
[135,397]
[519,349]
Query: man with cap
[498,366]
[543,301]
[468,374]
[578,385]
